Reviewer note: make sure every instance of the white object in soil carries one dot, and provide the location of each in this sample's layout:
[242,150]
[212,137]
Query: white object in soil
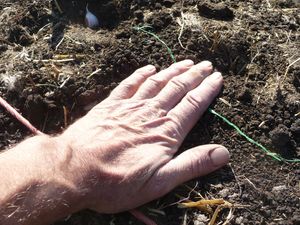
[90,19]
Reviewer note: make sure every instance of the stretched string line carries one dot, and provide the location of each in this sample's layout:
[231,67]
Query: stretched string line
[274,155]
[144,30]
[19,117]
[268,152]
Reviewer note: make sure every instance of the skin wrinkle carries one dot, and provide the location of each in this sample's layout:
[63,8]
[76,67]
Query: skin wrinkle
[195,102]
[133,129]
[130,112]
[126,113]
[153,111]
[138,119]
[140,171]
[176,129]
[156,182]
[156,82]
[68,156]
[112,196]
[136,115]
[179,86]
[116,152]
[133,105]
[164,140]
[169,126]
[202,163]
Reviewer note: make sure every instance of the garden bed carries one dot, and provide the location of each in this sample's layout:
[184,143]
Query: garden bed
[53,69]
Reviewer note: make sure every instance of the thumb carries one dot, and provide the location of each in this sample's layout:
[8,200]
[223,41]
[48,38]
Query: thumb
[192,163]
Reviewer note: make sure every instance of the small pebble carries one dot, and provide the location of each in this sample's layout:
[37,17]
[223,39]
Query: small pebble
[279,188]
[234,196]
[224,193]
[239,220]
[200,219]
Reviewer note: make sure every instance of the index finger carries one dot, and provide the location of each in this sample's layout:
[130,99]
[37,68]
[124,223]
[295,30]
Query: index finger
[128,87]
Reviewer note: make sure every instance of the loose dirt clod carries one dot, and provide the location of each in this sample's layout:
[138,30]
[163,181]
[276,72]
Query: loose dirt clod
[218,11]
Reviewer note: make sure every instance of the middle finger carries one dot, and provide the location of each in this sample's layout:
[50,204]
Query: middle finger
[155,83]
[180,85]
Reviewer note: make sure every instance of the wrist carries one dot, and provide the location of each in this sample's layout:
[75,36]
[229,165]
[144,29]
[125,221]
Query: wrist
[58,165]
[37,185]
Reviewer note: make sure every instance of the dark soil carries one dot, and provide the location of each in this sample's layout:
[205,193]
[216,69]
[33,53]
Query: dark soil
[253,43]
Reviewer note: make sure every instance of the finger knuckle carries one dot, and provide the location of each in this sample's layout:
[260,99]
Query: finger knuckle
[127,85]
[173,127]
[178,85]
[194,102]
[155,104]
[172,121]
[155,83]
[164,138]
[140,72]
[199,164]
[177,69]
[159,185]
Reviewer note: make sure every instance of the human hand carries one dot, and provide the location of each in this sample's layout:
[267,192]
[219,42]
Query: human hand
[121,154]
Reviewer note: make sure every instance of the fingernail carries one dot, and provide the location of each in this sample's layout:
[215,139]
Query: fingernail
[150,68]
[206,63]
[219,156]
[216,75]
[188,62]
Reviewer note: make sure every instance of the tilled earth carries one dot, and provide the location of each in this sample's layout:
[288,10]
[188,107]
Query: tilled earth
[53,69]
